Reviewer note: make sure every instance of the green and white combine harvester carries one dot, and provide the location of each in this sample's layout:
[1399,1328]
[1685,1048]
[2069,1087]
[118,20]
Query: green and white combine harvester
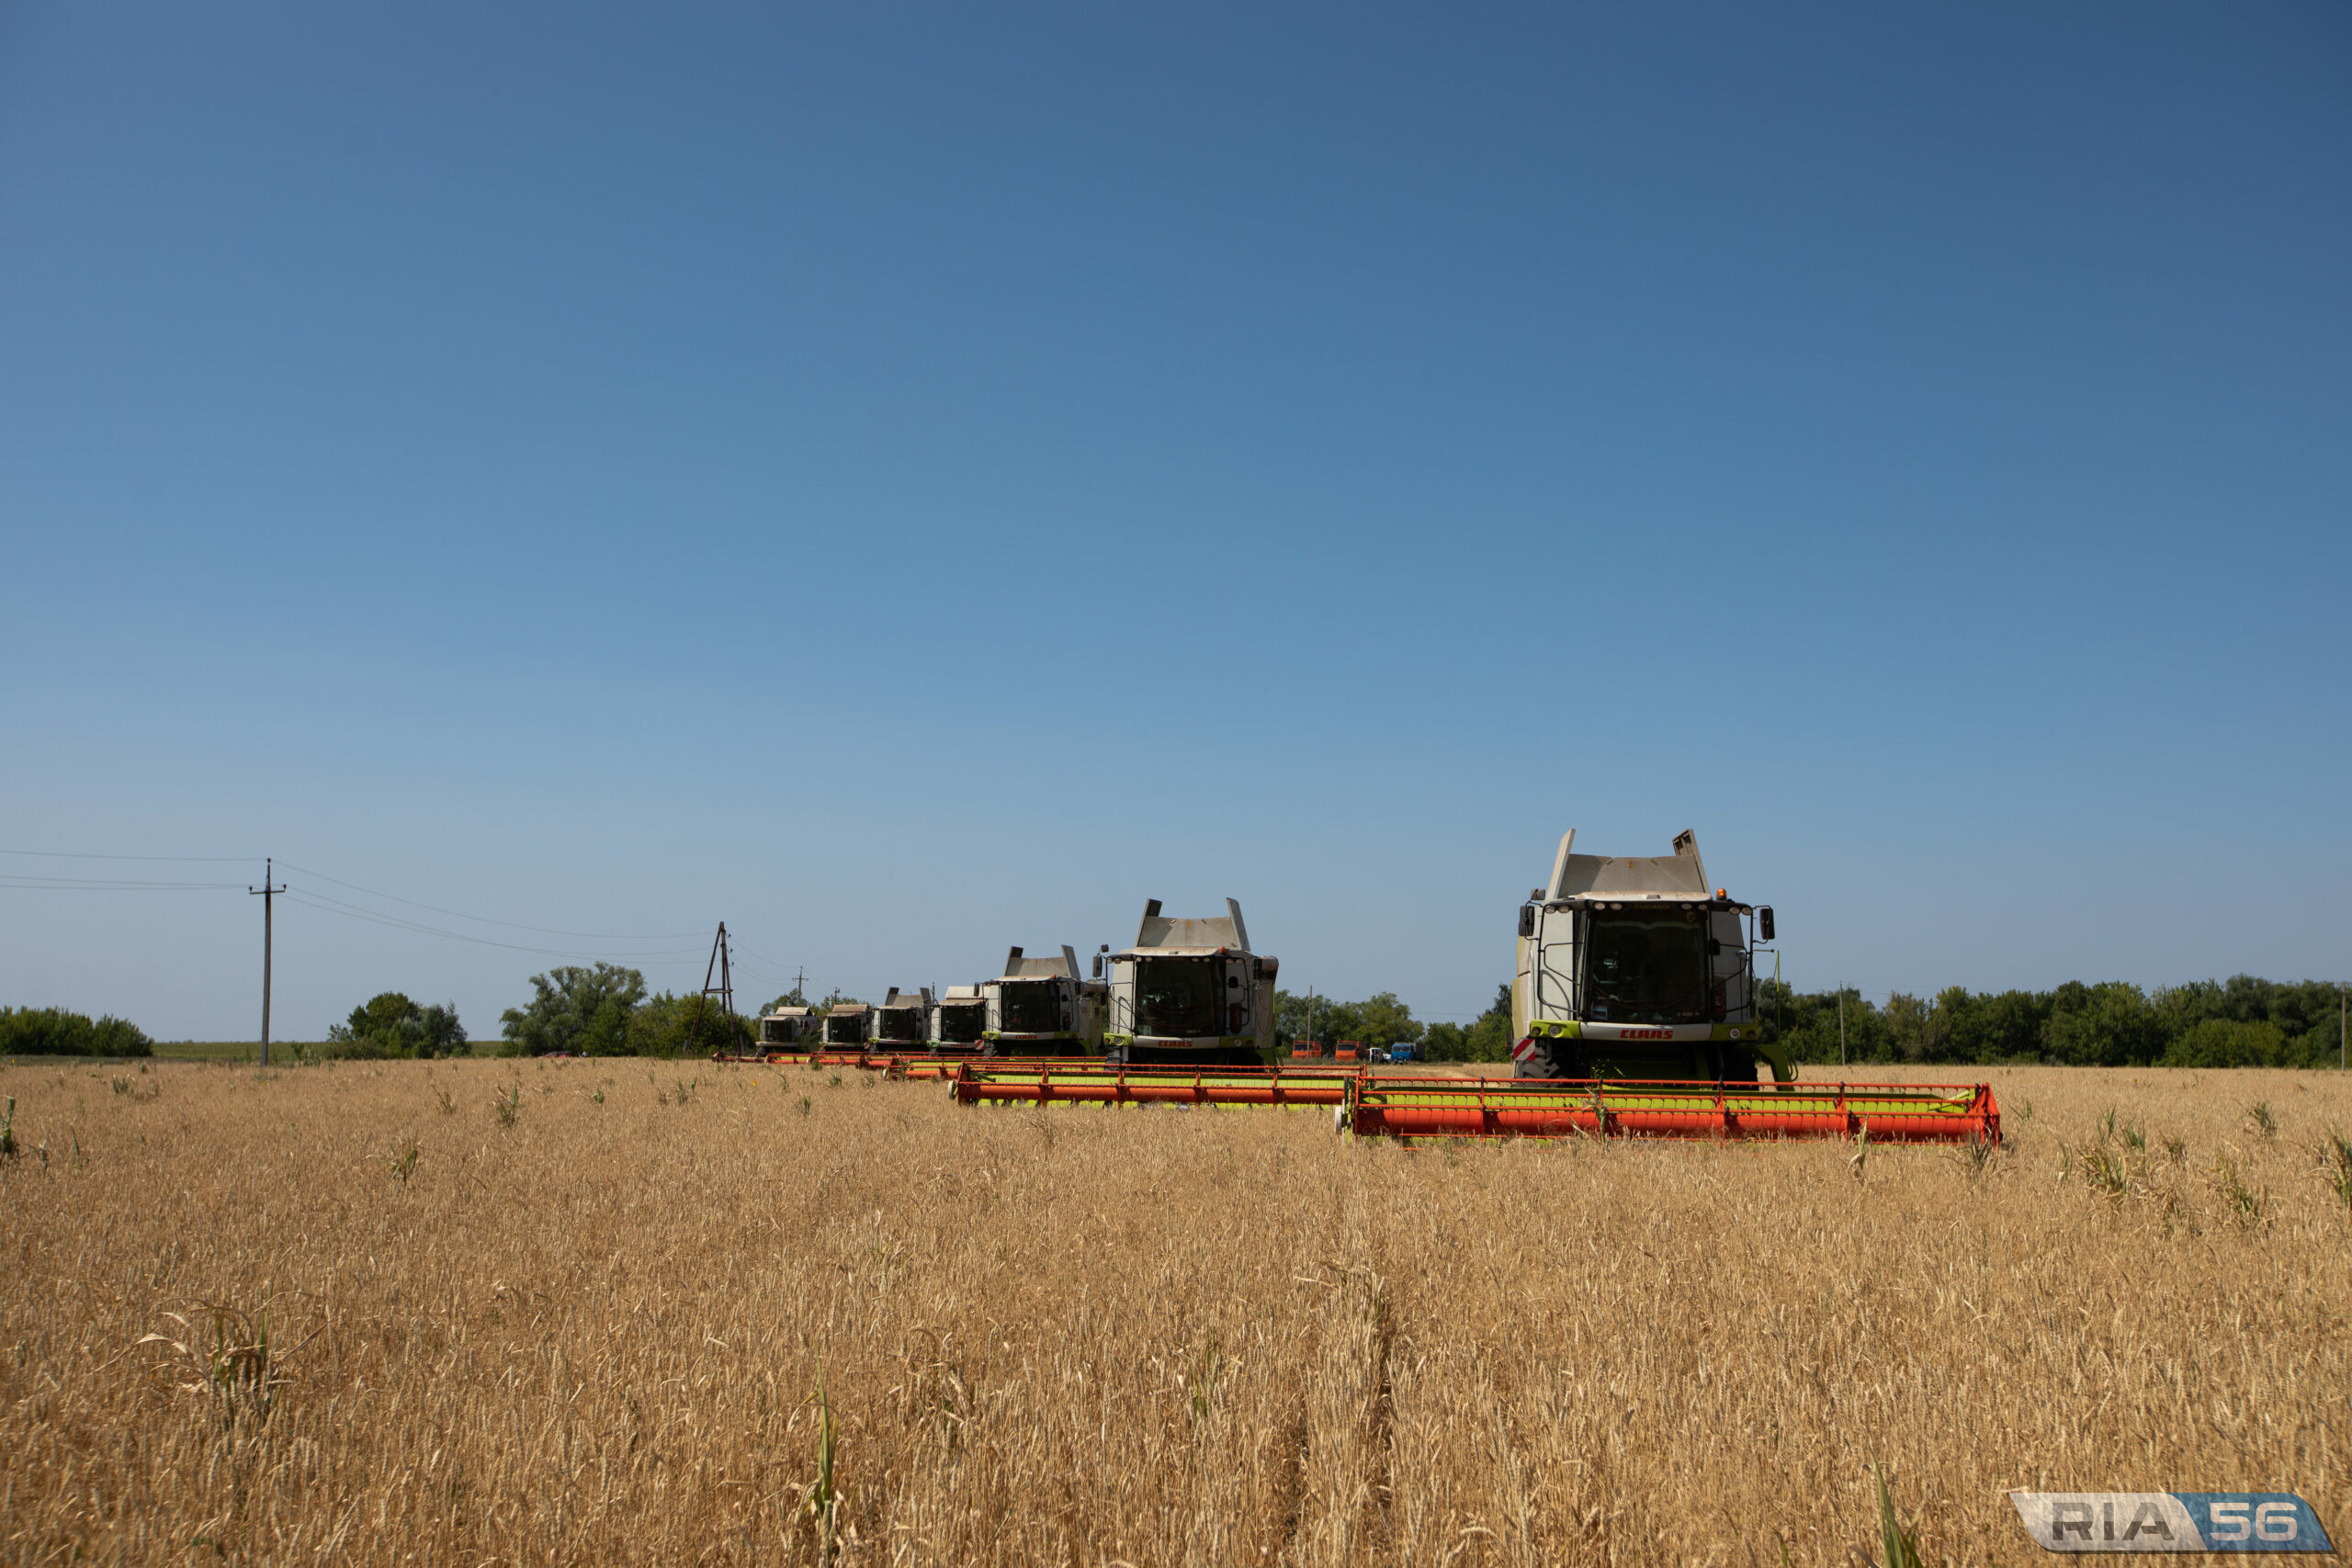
[1042,1007]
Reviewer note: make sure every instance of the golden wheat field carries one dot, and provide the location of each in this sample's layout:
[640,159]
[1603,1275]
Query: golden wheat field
[564,1313]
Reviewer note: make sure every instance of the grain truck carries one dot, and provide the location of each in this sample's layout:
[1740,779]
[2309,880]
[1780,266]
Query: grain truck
[1044,1007]
[1189,991]
[958,1018]
[1633,967]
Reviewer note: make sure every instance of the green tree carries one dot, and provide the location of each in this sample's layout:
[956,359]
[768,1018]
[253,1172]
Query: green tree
[575,1009]
[54,1032]
[1382,1020]
[2112,1024]
[390,1024]
[667,1025]
[1486,1040]
[1325,1019]
[2225,1042]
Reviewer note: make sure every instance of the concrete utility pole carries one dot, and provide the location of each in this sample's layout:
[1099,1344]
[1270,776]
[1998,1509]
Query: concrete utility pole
[269,896]
[1842,1023]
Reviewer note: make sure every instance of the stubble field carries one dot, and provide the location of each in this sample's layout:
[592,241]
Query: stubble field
[597,1334]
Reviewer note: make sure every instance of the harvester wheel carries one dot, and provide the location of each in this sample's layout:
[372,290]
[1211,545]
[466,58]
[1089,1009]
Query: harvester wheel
[1735,1066]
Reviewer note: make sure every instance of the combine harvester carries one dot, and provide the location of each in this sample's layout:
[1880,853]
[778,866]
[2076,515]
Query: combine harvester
[788,1029]
[1042,1007]
[959,1020]
[1634,1006]
[902,1024]
[1190,993]
[846,1026]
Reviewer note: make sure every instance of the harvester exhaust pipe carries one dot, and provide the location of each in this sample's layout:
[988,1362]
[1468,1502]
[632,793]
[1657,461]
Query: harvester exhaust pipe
[1240,931]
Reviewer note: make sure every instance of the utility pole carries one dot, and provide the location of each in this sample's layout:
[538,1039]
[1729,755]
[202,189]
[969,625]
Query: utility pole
[268,896]
[800,985]
[725,990]
[1842,1023]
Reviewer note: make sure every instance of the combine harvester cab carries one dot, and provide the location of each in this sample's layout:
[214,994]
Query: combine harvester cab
[788,1033]
[1630,967]
[1042,1007]
[788,1029]
[1633,1008]
[846,1026]
[958,1020]
[1191,993]
[902,1024]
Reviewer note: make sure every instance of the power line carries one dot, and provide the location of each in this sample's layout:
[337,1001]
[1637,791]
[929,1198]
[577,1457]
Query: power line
[485,919]
[64,854]
[353,912]
[342,906]
[33,882]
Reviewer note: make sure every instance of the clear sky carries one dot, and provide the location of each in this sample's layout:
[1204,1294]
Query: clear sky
[908,479]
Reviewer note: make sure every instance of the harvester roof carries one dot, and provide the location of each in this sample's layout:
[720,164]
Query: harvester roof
[1062,965]
[1680,876]
[1164,936]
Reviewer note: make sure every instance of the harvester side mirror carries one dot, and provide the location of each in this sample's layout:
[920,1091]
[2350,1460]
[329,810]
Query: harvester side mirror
[1098,966]
[1764,922]
[1527,920]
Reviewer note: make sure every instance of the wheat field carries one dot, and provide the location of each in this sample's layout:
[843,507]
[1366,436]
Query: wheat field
[580,1313]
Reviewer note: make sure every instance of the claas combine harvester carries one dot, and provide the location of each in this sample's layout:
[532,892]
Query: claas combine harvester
[1634,1015]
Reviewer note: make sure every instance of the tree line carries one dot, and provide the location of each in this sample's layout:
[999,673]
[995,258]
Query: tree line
[604,1011]
[54,1032]
[2243,1021]
[1382,1021]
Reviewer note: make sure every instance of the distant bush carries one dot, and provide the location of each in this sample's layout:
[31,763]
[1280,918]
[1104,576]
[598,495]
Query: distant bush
[390,1024]
[53,1032]
[666,1025]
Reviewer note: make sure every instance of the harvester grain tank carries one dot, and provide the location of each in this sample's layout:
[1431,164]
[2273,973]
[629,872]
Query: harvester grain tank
[846,1025]
[958,1018]
[1191,991]
[903,1021]
[1044,1007]
[788,1029]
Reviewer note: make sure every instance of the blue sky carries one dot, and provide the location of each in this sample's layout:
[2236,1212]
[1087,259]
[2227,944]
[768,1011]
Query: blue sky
[908,479]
